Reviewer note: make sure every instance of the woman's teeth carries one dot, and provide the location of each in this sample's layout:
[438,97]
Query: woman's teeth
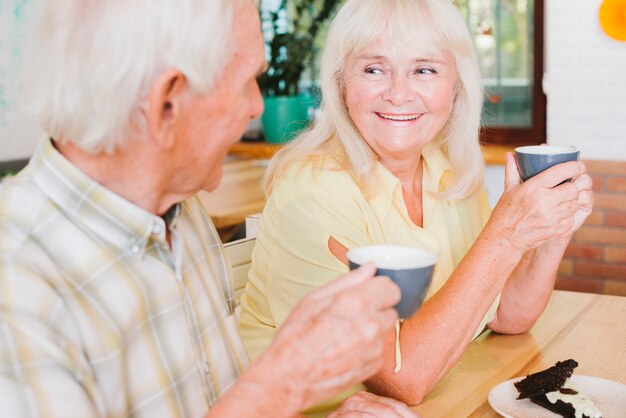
[398,117]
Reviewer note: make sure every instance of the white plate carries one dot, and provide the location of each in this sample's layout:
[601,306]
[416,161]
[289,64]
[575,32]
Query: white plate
[609,397]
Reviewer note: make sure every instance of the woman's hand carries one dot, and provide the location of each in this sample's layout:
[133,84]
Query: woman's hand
[365,404]
[544,207]
[585,201]
[527,291]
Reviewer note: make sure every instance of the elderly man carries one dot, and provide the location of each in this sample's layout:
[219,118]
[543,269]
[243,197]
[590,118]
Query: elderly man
[114,296]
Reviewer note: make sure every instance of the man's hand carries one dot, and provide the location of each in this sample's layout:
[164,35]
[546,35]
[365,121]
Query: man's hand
[334,337]
[365,404]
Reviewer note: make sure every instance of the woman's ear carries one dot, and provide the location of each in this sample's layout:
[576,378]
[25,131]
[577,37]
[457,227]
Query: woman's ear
[166,101]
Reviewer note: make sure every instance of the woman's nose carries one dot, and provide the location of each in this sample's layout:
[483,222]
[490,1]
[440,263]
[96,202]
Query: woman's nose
[399,90]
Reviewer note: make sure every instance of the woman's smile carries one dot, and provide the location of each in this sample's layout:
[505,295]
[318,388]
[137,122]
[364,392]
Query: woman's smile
[399,117]
[399,99]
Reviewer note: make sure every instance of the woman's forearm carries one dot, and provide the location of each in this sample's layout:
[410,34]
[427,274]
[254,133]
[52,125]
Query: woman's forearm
[434,339]
[527,292]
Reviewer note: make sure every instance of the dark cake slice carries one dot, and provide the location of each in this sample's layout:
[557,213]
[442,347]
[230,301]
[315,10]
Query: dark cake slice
[551,389]
[547,380]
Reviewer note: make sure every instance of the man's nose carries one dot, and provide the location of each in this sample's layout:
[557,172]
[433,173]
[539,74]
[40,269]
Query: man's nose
[256,102]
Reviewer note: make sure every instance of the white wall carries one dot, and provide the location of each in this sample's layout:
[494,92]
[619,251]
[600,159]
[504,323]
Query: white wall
[19,132]
[494,183]
[585,81]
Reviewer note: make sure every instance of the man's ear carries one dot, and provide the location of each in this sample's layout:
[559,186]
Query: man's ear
[166,101]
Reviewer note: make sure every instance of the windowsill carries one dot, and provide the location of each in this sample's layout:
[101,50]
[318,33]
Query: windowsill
[494,154]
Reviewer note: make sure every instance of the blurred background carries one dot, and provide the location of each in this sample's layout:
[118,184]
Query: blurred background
[553,70]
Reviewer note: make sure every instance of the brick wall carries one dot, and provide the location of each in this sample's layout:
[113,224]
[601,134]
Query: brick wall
[596,259]
[585,84]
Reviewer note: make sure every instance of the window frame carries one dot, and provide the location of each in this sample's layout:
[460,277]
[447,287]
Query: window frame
[536,133]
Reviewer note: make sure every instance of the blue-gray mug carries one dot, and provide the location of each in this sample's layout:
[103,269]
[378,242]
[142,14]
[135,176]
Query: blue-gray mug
[533,159]
[410,268]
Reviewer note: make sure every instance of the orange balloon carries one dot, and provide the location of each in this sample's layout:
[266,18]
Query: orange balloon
[612,16]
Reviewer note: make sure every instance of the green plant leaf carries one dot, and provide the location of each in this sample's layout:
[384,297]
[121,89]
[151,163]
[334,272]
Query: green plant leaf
[290,31]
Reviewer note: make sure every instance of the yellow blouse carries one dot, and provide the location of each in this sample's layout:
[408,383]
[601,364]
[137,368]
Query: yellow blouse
[291,255]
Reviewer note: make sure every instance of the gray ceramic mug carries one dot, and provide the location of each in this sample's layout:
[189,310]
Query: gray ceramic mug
[410,268]
[533,159]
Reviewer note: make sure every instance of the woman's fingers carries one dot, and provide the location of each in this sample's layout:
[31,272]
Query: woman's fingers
[511,173]
[400,407]
[564,192]
[544,207]
[583,182]
[365,404]
[586,200]
[557,174]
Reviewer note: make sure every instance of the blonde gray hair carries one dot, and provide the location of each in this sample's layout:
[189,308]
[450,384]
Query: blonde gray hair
[94,62]
[435,25]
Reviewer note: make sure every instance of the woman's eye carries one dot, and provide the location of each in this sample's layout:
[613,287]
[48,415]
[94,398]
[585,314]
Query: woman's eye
[425,71]
[373,70]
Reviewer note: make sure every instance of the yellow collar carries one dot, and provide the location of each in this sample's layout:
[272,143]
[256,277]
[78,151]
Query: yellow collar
[437,176]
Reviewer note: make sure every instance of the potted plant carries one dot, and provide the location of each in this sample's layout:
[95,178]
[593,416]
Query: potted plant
[290,29]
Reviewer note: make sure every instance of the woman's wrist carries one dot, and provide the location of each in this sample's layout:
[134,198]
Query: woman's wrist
[556,246]
[499,239]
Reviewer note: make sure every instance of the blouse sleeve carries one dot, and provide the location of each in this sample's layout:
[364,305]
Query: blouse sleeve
[484,208]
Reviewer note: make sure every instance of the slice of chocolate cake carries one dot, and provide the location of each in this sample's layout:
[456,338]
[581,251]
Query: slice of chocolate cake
[552,390]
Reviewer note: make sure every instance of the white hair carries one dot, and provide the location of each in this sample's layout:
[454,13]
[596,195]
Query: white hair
[433,24]
[94,62]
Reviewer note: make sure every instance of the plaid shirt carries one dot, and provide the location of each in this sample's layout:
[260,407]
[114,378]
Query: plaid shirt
[98,316]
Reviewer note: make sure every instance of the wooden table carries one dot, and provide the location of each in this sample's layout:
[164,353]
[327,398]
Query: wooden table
[238,195]
[589,328]
[261,150]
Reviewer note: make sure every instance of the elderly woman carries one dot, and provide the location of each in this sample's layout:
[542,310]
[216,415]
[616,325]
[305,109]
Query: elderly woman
[395,159]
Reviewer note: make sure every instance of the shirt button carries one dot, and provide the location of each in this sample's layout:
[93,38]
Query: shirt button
[157,228]
[135,249]
[205,368]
